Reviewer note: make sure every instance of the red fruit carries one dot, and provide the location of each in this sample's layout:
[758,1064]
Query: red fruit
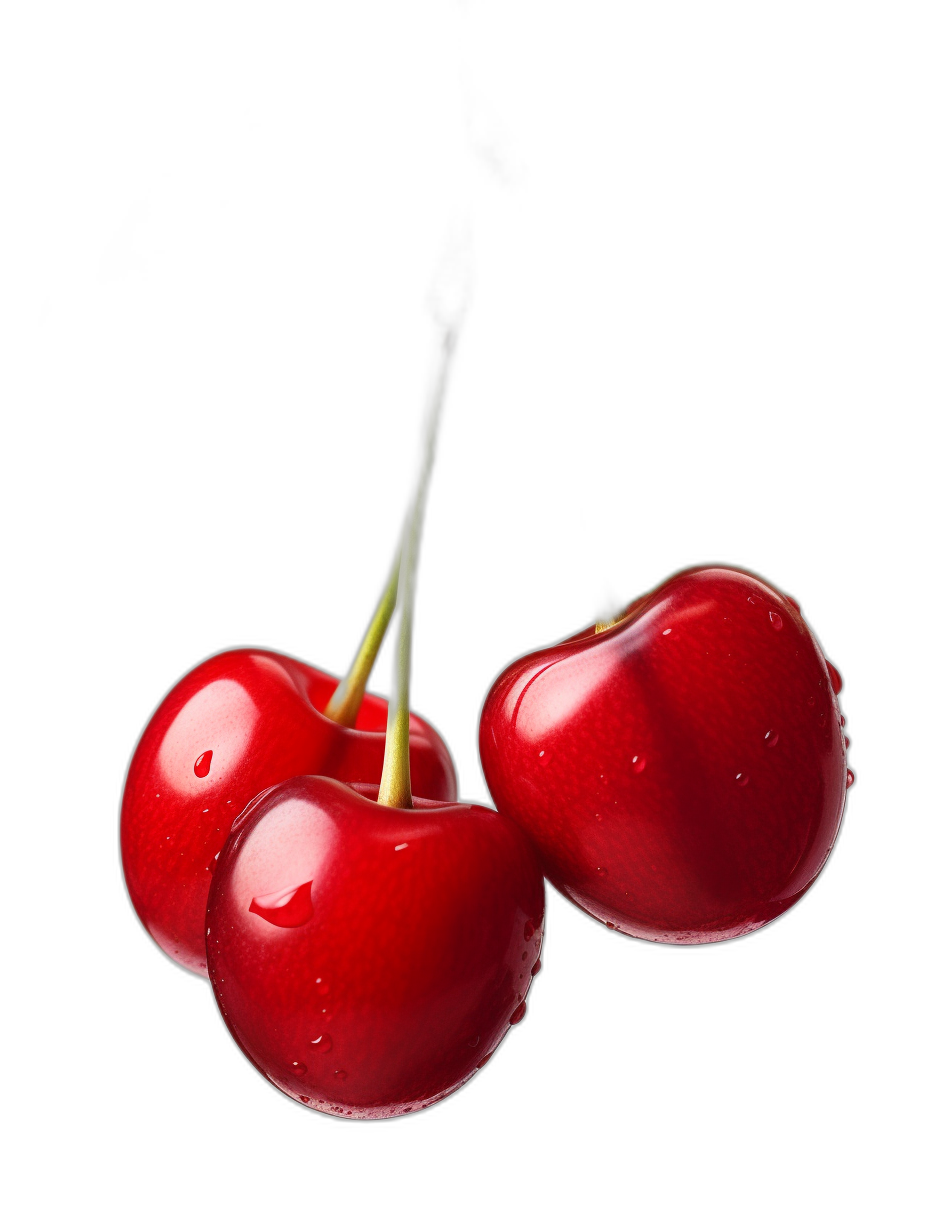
[368,960]
[683,771]
[237,724]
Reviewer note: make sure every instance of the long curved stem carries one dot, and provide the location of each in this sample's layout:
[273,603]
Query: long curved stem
[345,702]
[395,784]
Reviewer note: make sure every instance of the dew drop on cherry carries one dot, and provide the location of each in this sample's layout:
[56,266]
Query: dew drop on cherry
[287,908]
[742,779]
[322,1043]
[321,988]
[202,764]
[835,677]
[304,1099]
[843,720]
[518,1014]
[529,931]
[847,742]
[537,967]
[771,738]
[481,1064]
[850,778]
[473,1041]
[638,764]
[298,1068]
[776,620]
[340,1075]
[789,599]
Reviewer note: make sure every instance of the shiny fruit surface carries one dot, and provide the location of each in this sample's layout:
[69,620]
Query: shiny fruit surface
[682,772]
[239,723]
[368,960]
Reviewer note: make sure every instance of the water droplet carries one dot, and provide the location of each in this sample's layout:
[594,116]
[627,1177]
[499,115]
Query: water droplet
[666,631]
[541,755]
[322,1043]
[742,779]
[524,955]
[810,701]
[609,924]
[481,1064]
[776,620]
[771,738]
[321,988]
[304,1099]
[847,742]
[638,764]
[211,867]
[473,1041]
[843,720]
[601,871]
[598,816]
[287,908]
[201,765]
[298,1068]
[537,967]
[528,932]
[340,1074]
[835,677]
[400,846]
[517,1014]
[850,778]
[790,599]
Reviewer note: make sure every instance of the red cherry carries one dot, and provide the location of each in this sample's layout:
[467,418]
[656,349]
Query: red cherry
[237,724]
[416,931]
[694,772]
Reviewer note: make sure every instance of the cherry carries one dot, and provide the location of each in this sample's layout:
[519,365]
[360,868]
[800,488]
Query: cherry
[369,950]
[238,723]
[682,769]
[368,960]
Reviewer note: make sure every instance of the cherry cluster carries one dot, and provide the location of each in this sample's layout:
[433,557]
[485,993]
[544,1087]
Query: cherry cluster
[679,773]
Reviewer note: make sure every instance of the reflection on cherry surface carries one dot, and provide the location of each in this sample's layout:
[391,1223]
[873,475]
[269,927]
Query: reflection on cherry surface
[369,960]
[682,771]
[237,724]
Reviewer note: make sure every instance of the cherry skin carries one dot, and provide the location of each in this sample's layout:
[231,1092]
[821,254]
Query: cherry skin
[239,723]
[683,772]
[369,960]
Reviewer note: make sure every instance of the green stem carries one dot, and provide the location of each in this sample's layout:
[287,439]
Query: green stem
[345,702]
[613,616]
[395,784]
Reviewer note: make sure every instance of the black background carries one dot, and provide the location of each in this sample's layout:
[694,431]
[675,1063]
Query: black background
[658,371]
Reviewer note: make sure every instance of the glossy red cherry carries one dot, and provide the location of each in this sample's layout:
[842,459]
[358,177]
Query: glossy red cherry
[368,960]
[683,771]
[237,724]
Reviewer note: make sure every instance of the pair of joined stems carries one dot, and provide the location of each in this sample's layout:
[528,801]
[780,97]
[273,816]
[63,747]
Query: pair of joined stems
[345,703]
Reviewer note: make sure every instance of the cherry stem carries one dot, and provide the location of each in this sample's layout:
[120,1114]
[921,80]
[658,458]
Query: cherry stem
[395,783]
[345,702]
[608,619]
